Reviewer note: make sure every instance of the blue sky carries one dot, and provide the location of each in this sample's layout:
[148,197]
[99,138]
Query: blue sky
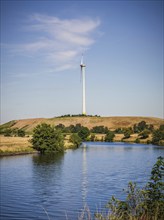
[41,47]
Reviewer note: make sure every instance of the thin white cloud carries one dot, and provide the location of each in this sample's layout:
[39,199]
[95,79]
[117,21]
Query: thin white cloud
[60,41]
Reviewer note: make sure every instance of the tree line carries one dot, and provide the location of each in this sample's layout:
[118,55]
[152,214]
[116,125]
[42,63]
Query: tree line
[48,138]
[8,132]
[78,115]
[52,137]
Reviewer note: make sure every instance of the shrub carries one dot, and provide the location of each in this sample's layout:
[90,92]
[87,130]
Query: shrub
[100,130]
[119,131]
[140,204]
[47,140]
[84,133]
[144,134]
[137,141]
[127,133]
[137,128]
[75,139]
[158,136]
[21,133]
[92,138]
[109,136]
[60,127]
[154,194]
[7,133]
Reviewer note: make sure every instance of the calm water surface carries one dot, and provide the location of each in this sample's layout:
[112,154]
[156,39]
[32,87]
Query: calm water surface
[61,185]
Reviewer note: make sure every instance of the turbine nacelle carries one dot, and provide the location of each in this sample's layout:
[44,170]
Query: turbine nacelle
[82,64]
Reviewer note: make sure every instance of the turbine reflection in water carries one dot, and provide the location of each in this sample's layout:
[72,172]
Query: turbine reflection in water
[84,175]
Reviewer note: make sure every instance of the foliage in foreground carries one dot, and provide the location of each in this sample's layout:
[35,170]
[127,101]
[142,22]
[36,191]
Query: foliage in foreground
[47,140]
[140,204]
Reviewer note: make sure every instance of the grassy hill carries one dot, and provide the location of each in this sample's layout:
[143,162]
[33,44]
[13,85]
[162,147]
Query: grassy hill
[111,122]
[18,145]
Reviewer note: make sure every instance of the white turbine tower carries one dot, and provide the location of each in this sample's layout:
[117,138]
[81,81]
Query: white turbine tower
[82,65]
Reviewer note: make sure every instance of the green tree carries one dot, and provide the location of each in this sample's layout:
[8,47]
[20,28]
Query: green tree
[155,191]
[75,139]
[137,128]
[151,127]
[109,136]
[158,136]
[100,130]
[142,125]
[60,127]
[127,133]
[21,133]
[92,138]
[161,128]
[47,140]
[118,131]
[144,134]
[84,133]
[74,128]
[8,133]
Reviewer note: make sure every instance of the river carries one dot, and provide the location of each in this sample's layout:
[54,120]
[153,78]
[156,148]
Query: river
[58,187]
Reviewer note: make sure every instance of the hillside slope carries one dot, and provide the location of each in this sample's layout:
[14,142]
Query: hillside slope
[111,122]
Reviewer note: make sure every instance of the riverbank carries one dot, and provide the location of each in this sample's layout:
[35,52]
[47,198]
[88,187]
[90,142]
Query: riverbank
[15,146]
[22,145]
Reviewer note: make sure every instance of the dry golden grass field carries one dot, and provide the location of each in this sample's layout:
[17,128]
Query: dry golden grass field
[18,145]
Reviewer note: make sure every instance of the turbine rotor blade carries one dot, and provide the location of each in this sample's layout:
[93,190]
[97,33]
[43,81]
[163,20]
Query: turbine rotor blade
[82,59]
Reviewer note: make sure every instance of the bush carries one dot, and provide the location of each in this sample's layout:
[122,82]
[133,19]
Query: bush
[75,139]
[21,133]
[127,132]
[60,127]
[100,130]
[137,128]
[144,134]
[158,136]
[140,204]
[7,133]
[84,133]
[137,141]
[119,131]
[13,132]
[154,194]
[92,138]
[47,140]
[109,136]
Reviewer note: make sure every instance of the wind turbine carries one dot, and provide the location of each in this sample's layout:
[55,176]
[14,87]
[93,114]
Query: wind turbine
[82,65]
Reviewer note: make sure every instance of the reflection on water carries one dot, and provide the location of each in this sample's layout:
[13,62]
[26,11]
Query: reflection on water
[47,170]
[84,175]
[47,159]
[63,184]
